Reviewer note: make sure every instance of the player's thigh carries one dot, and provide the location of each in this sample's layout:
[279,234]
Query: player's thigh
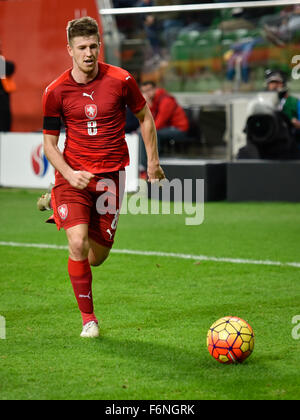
[105,214]
[102,230]
[71,207]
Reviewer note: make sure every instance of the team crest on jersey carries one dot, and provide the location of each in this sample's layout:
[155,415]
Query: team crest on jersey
[63,211]
[91,111]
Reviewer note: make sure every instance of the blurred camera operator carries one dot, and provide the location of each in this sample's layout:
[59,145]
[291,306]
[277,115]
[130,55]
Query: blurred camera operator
[276,81]
[273,130]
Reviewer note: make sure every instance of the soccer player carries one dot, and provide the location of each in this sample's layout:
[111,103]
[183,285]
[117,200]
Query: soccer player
[91,99]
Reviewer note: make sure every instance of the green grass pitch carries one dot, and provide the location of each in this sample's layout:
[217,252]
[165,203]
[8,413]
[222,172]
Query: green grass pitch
[154,311]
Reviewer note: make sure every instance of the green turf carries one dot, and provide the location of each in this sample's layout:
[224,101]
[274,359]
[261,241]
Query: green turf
[154,311]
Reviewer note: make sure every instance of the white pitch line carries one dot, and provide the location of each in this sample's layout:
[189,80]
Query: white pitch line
[164,254]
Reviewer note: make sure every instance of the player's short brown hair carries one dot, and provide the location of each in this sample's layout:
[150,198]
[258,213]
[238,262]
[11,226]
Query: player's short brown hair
[85,26]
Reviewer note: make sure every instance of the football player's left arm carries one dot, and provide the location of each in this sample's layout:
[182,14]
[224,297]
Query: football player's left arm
[149,135]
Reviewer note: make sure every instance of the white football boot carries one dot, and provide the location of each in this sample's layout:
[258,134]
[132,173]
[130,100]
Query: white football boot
[43,202]
[90,330]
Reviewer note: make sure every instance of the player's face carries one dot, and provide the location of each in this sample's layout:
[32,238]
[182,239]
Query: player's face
[275,86]
[85,52]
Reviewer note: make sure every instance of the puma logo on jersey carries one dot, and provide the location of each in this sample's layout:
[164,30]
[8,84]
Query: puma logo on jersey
[89,96]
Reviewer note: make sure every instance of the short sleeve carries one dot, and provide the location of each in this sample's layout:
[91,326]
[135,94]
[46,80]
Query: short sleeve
[51,112]
[133,96]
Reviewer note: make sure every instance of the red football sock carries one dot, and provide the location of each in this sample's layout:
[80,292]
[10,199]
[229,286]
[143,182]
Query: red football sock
[81,279]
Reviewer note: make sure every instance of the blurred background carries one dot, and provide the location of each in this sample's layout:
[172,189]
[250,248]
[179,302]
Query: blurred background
[213,62]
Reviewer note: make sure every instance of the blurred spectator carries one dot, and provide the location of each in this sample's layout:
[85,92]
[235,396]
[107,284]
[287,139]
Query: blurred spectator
[236,21]
[152,31]
[170,119]
[144,3]
[238,56]
[238,59]
[7,86]
[285,28]
[150,26]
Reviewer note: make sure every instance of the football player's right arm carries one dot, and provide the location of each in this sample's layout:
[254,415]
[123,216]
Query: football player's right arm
[78,179]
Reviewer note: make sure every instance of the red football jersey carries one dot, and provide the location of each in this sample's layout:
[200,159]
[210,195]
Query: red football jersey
[94,116]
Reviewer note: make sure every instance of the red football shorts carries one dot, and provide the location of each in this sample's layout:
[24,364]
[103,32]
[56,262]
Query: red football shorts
[98,205]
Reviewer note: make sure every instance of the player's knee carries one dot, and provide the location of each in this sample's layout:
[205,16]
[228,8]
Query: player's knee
[79,247]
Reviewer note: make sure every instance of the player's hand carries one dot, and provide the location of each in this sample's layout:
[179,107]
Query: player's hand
[155,173]
[80,179]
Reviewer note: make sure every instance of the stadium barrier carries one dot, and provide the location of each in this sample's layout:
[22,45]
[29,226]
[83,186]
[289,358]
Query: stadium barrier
[24,165]
[252,180]
[263,180]
[213,172]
